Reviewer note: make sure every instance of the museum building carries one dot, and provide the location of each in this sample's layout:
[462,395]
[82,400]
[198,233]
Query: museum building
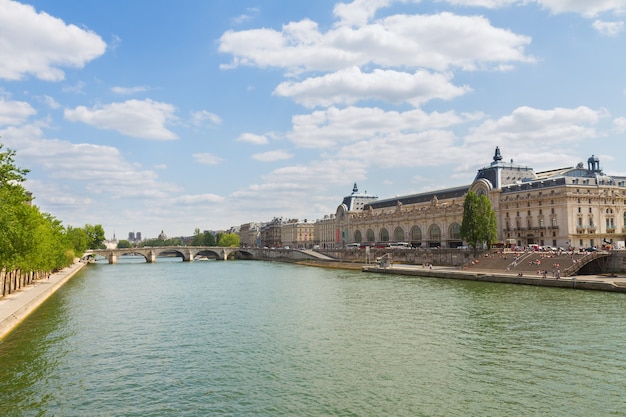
[575,207]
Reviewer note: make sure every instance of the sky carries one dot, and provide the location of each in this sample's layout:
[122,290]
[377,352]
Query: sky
[153,115]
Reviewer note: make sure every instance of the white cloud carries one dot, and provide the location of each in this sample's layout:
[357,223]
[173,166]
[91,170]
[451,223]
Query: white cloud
[586,8]
[438,41]
[272,156]
[14,113]
[608,28]
[395,150]
[359,12]
[206,158]
[252,138]
[620,124]
[137,118]
[528,126]
[51,102]
[128,90]
[199,117]
[39,44]
[199,199]
[98,169]
[351,85]
[333,126]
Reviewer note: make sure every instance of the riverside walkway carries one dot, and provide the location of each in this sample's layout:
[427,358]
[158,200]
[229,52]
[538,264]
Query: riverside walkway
[582,282]
[15,307]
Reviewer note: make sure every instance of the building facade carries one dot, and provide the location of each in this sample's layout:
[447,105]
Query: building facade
[298,234]
[567,207]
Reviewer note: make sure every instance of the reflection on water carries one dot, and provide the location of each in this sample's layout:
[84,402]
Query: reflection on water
[269,339]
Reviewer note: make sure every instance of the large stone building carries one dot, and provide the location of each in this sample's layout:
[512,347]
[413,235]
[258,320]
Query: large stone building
[565,207]
[298,234]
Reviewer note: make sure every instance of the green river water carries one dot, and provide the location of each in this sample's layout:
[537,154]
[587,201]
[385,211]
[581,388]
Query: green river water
[246,338]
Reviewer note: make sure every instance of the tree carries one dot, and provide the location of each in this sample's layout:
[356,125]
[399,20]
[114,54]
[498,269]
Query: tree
[228,239]
[205,238]
[123,244]
[95,235]
[479,221]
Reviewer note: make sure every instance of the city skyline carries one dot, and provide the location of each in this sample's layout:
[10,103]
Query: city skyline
[149,116]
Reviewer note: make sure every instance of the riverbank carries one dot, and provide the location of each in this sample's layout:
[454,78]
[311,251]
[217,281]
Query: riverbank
[581,282]
[15,307]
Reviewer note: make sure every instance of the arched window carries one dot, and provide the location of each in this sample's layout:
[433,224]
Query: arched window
[416,233]
[370,235]
[384,235]
[357,236]
[398,235]
[434,233]
[455,231]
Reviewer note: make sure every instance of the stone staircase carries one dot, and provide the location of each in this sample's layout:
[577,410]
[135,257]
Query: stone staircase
[530,263]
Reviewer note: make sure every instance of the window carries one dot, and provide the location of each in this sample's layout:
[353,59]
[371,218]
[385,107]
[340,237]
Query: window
[398,235]
[554,222]
[416,234]
[434,233]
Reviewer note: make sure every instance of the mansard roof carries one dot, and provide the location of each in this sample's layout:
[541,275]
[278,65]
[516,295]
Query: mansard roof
[445,194]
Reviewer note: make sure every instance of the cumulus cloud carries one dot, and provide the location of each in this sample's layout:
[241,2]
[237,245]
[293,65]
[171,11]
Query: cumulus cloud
[439,41]
[98,169]
[351,85]
[272,156]
[608,28]
[144,119]
[586,8]
[359,12]
[333,126]
[14,113]
[206,158]
[620,124]
[252,138]
[200,117]
[39,44]
[527,125]
[199,199]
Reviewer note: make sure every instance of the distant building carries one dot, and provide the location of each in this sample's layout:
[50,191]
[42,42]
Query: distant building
[298,234]
[271,233]
[565,207]
[162,236]
[333,230]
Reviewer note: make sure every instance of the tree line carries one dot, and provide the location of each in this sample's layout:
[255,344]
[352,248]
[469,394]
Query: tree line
[32,240]
[206,238]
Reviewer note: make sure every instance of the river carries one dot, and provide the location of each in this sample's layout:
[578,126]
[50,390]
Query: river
[249,338]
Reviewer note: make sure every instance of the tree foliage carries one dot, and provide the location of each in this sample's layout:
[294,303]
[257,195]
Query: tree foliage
[228,239]
[479,221]
[31,240]
[206,238]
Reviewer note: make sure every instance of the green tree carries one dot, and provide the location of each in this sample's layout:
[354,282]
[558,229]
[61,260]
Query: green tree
[95,235]
[228,239]
[123,244]
[206,238]
[78,238]
[479,221]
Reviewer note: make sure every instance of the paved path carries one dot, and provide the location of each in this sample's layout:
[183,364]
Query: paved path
[597,282]
[14,308]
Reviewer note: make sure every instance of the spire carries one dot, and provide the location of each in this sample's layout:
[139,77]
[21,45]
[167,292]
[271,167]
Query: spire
[497,157]
[355,189]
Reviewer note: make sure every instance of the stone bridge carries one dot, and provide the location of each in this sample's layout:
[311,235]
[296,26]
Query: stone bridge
[189,253]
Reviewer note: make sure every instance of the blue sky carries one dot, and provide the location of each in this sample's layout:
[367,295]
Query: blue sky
[159,115]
